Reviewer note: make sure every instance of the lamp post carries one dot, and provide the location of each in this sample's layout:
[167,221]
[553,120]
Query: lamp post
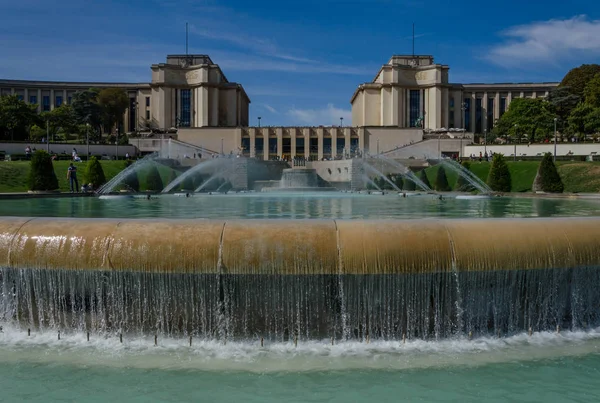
[377,146]
[515,142]
[222,146]
[259,118]
[341,122]
[47,136]
[87,139]
[117,144]
[555,120]
[485,142]
[463,107]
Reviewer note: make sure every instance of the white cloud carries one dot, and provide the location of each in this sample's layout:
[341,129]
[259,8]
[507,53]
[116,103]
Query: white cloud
[270,108]
[548,41]
[328,116]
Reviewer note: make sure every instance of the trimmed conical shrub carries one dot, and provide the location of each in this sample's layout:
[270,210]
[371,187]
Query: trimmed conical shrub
[409,185]
[547,178]
[441,181]
[424,178]
[398,181]
[463,185]
[41,174]
[499,176]
[94,173]
[153,180]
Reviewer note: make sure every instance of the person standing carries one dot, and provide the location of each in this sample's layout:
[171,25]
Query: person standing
[72,178]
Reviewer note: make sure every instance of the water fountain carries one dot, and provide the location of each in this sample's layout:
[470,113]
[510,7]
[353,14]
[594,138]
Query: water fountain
[299,180]
[469,176]
[108,188]
[403,171]
[312,279]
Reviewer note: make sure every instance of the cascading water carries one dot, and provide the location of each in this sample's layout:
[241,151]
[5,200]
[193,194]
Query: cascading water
[469,176]
[372,169]
[404,172]
[204,166]
[137,166]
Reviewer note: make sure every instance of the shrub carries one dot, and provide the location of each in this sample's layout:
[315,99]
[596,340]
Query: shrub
[424,178]
[398,181]
[499,176]
[547,178]
[41,174]
[463,185]
[409,185]
[441,180]
[131,181]
[153,180]
[94,173]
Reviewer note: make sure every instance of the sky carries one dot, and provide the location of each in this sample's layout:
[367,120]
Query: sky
[299,61]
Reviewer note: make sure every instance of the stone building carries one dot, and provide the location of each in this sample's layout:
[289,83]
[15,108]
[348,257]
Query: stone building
[409,96]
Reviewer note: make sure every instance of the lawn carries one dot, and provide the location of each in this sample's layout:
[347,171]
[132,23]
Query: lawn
[13,174]
[522,174]
[580,177]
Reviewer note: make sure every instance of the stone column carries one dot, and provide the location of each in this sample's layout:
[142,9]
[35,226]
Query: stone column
[203,118]
[473,109]
[214,107]
[65,97]
[26,95]
[266,149]
[306,133]
[252,134]
[51,100]
[508,100]
[534,94]
[361,140]
[175,106]
[39,100]
[484,111]
[292,143]
[497,106]
[445,107]
[279,133]
[320,135]
[347,136]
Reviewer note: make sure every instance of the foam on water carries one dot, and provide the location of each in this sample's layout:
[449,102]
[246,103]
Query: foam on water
[176,354]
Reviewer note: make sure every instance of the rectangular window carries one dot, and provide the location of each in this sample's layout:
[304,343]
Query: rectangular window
[33,99]
[327,151]
[259,145]
[415,108]
[478,115]
[185,118]
[300,146]
[70,100]
[58,101]
[490,114]
[272,145]
[467,114]
[46,103]
[340,144]
[502,106]
[147,101]
[147,115]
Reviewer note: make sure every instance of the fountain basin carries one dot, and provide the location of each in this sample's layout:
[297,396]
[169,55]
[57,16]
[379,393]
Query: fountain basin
[472,197]
[115,196]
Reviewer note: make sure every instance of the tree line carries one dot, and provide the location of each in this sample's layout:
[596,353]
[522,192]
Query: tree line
[575,104]
[91,112]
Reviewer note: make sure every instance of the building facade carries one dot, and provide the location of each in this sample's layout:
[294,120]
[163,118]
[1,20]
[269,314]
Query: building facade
[409,96]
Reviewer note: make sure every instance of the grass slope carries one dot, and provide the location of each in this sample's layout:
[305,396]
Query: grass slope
[522,174]
[580,177]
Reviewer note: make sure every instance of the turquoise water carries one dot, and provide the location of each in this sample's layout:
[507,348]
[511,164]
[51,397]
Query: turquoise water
[543,368]
[301,205]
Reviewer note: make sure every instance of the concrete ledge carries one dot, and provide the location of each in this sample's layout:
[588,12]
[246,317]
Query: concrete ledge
[42,195]
[299,247]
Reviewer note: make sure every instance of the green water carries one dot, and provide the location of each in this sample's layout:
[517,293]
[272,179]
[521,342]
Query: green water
[542,368]
[302,205]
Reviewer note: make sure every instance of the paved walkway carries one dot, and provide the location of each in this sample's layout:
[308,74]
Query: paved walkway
[40,195]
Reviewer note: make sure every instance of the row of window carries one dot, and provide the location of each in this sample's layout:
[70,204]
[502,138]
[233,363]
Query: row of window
[286,145]
[466,108]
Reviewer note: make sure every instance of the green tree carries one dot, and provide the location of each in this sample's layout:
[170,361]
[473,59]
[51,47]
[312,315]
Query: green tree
[578,118]
[563,102]
[547,178]
[499,177]
[60,119]
[591,123]
[16,117]
[41,174]
[153,180]
[409,185]
[533,117]
[424,178]
[577,78]
[441,180]
[131,181]
[87,111]
[113,102]
[94,173]
[592,92]
[463,185]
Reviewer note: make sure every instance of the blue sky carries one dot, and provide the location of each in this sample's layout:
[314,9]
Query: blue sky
[299,61]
